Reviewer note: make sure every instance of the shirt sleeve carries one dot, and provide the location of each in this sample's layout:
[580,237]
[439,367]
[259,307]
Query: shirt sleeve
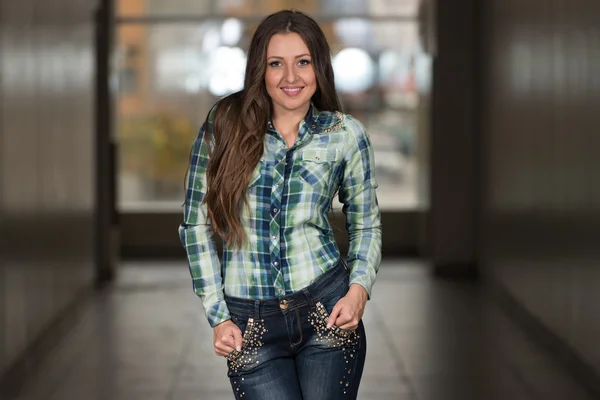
[196,236]
[360,206]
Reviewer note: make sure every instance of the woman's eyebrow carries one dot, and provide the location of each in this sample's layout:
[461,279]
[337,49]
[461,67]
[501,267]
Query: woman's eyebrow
[281,58]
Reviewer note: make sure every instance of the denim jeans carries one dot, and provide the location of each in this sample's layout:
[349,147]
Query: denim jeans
[288,351]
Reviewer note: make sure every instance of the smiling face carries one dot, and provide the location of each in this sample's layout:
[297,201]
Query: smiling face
[290,78]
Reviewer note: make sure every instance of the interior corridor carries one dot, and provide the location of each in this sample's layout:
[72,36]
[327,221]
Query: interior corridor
[146,338]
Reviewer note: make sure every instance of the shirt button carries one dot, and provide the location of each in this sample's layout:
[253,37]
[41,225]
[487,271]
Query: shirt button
[274,210]
[275,263]
[274,237]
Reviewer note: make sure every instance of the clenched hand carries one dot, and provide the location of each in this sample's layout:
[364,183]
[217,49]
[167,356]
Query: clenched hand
[349,309]
[227,337]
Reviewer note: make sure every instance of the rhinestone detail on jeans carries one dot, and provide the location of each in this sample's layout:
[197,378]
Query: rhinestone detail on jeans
[252,342]
[335,337]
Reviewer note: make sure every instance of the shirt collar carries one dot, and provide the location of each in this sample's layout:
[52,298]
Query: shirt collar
[317,121]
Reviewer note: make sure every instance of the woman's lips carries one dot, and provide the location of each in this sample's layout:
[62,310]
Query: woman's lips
[292,91]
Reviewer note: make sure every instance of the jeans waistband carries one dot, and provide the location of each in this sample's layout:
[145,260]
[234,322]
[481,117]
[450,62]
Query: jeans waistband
[302,298]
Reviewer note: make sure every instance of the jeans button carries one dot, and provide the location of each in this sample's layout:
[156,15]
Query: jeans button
[283,304]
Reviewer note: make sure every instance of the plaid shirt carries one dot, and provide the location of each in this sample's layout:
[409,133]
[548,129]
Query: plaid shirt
[290,240]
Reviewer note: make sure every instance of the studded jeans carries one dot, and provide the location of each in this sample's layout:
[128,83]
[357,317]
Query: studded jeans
[288,351]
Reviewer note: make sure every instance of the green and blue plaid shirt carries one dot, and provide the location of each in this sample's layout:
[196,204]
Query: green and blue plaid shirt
[290,239]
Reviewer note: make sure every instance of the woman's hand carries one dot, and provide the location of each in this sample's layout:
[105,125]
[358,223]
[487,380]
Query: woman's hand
[227,337]
[349,309]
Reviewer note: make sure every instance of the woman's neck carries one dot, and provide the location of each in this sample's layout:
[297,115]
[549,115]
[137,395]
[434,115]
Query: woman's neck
[288,122]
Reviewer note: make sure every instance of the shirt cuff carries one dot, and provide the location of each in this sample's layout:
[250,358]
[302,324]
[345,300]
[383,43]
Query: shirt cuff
[217,313]
[363,280]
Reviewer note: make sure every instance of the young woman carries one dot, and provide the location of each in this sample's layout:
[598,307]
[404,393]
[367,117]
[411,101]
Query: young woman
[285,309]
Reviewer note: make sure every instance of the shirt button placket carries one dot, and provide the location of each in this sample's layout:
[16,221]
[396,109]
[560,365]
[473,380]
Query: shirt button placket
[275,222]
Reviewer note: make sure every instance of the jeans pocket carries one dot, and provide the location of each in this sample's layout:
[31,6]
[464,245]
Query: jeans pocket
[252,340]
[330,337]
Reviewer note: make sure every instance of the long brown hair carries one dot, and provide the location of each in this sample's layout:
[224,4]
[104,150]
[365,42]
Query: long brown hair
[240,121]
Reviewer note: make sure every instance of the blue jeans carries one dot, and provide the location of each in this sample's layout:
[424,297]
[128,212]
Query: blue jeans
[288,351]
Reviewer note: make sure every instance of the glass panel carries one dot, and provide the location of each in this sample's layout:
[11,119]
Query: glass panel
[169,75]
[136,8]
[240,8]
[388,8]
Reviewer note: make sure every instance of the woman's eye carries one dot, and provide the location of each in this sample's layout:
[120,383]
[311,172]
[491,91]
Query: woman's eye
[274,63]
[304,62]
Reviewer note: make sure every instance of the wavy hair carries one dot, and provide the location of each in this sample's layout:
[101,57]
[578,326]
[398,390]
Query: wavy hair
[240,121]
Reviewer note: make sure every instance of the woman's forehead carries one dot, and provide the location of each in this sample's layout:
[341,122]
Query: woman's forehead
[286,45]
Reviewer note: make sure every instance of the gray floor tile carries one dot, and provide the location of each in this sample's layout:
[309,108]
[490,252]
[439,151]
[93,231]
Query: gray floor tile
[453,388]
[204,383]
[203,395]
[87,393]
[147,338]
[385,396]
[377,384]
[550,383]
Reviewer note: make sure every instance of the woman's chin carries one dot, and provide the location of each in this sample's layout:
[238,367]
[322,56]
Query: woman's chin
[294,104]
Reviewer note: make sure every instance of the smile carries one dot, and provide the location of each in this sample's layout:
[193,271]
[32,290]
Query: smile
[292,91]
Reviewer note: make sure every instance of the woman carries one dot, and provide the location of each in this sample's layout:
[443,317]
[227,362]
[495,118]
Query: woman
[286,311]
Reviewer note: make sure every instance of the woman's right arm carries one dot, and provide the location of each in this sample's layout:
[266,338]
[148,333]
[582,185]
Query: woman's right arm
[196,235]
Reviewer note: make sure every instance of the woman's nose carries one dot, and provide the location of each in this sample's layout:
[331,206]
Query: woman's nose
[290,74]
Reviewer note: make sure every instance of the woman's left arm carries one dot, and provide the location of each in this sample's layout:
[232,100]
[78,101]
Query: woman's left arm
[363,222]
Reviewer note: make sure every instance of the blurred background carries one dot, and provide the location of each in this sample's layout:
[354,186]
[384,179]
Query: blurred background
[170,68]
[483,115]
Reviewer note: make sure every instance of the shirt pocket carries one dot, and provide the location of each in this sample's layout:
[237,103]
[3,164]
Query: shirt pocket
[256,174]
[316,167]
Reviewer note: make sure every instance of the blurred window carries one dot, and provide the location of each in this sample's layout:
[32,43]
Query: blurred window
[175,59]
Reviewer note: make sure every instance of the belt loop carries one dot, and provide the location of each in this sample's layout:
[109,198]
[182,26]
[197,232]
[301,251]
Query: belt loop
[257,309]
[311,301]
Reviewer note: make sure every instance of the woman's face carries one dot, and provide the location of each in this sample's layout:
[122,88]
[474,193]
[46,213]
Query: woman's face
[290,77]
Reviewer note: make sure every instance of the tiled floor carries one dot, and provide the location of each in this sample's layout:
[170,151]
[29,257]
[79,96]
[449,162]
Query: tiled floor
[147,338]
